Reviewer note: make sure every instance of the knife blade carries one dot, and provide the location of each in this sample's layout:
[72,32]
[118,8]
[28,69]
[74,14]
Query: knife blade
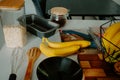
[95,38]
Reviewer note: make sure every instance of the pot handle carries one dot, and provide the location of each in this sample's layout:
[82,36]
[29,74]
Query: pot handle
[12,76]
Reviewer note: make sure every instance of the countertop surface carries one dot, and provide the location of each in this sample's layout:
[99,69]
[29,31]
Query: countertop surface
[33,41]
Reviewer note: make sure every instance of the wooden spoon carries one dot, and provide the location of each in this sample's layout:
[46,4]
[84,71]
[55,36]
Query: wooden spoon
[33,55]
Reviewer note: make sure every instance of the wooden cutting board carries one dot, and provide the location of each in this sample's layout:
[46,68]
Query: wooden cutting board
[94,68]
[11,4]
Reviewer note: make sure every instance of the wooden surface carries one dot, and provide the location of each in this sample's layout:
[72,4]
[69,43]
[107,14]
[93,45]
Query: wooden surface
[11,4]
[33,55]
[94,68]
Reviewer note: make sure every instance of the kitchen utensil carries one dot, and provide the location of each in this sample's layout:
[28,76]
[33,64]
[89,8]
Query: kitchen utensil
[17,58]
[38,25]
[33,55]
[85,36]
[59,68]
[95,38]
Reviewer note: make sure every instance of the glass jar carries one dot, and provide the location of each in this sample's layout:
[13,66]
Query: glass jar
[59,15]
[14,33]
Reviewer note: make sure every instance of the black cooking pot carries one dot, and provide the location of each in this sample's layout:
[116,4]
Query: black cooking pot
[59,68]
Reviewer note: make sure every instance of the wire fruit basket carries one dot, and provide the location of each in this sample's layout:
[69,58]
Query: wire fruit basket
[110,54]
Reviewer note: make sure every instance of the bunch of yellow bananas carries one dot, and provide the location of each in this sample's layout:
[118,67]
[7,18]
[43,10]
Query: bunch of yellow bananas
[63,49]
[112,34]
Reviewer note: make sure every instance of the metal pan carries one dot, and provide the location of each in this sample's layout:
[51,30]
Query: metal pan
[38,25]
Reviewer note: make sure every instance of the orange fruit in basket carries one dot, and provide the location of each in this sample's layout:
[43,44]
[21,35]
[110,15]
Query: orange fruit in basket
[117,67]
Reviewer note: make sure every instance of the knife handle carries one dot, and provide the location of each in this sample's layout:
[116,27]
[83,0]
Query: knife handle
[12,76]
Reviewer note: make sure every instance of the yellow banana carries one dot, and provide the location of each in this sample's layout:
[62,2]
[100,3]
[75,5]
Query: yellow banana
[50,52]
[115,40]
[110,59]
[114,57]
[113,29]
[81,43]
[110,33]
[116,54]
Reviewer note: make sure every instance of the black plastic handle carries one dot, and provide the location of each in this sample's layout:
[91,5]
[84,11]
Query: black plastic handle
[12,76]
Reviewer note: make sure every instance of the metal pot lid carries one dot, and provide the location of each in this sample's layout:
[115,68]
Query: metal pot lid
[59,11]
